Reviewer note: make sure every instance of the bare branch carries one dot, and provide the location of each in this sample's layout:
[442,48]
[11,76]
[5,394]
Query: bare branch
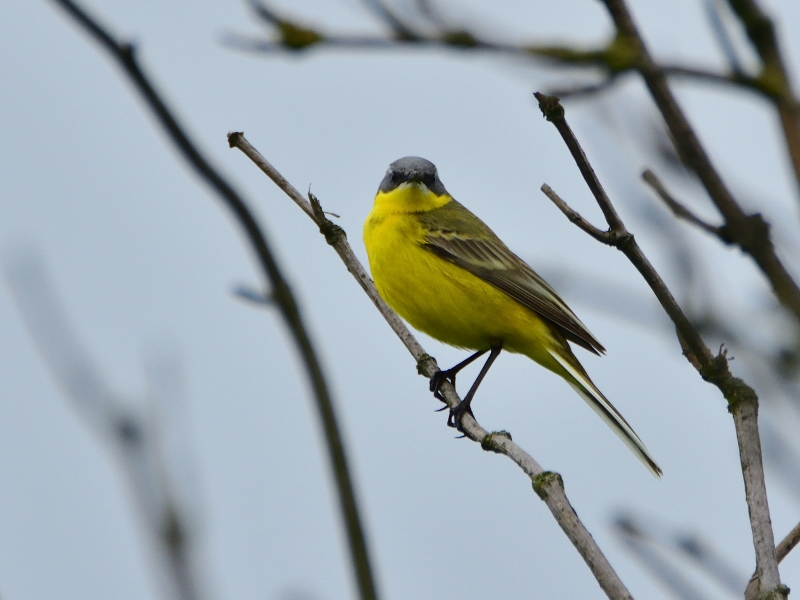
[678,209]
[749,232]
[280,291]
[548,485]
[788,543]
[554,112]
[742,399]
[574,217]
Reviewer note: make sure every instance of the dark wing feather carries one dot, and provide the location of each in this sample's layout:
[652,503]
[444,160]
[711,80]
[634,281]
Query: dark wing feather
[475,248]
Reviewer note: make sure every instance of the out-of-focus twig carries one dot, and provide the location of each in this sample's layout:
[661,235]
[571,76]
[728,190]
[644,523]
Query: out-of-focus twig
[678,209]
[649,535]
[761,31]
[614,58]
[742,399]
[279,289]
[548,486]
[147,455]
[401,29]
[722,36]
[640,545]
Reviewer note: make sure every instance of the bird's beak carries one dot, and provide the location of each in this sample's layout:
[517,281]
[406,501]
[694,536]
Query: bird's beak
[416,181]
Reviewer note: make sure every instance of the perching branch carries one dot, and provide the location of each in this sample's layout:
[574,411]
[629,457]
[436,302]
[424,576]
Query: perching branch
[748,231]
[280,292]
[742,399]
[548,486]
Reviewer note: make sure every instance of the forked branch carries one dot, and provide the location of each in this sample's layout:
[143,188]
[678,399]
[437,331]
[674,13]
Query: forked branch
[748,231]
[742,399]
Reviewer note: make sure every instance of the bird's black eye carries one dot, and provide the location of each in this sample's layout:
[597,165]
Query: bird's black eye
[428,180]
[397,177]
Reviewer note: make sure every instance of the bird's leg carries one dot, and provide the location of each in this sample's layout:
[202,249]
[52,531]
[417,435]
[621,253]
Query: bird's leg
[457,413]
[450,375]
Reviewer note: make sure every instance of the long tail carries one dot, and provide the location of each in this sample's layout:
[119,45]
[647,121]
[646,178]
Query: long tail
[594,398]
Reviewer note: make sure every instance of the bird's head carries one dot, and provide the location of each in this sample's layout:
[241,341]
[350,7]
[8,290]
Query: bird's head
[412,171]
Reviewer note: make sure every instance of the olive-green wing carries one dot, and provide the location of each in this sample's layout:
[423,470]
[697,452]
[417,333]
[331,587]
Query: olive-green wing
[458,236]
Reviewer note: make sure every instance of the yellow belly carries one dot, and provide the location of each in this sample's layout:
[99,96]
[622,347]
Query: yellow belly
[445,301]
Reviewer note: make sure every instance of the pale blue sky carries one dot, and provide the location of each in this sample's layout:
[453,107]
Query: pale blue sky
[145,259]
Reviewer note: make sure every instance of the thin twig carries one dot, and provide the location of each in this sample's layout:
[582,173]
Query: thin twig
[549,486]
[788,543]
[401,29]
[587,89]
[722,36]
[678,209]
[748,231]
[553,111]
[280,291]
[574,216]
[688,546]
[645,549]
[742,399]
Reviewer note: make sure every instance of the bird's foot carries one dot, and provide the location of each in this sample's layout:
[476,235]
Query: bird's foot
[457,414]
[438,379]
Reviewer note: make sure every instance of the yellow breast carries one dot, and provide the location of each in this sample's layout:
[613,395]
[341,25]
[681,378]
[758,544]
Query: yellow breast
[434,295]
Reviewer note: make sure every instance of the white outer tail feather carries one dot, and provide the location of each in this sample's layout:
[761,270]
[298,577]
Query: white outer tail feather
[608,413]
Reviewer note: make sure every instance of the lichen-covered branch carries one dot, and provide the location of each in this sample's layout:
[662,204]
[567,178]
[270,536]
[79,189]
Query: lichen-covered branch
[742,399]
[279,289]
[549,486]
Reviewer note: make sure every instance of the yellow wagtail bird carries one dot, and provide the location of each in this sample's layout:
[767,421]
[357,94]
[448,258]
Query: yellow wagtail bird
[445,272]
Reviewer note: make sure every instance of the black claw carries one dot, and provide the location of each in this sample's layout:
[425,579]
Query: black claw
[457,414]
[438,395]
[440,377]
